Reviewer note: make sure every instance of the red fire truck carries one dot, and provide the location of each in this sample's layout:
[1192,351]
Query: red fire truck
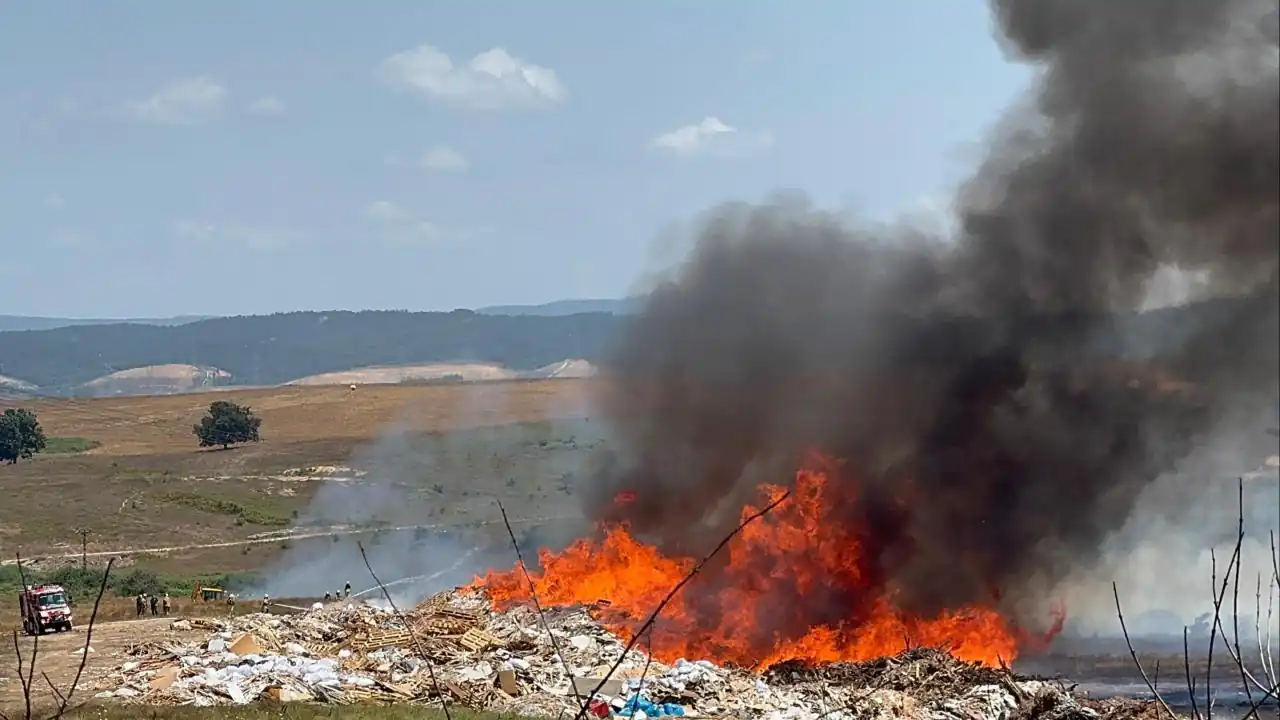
[44,607]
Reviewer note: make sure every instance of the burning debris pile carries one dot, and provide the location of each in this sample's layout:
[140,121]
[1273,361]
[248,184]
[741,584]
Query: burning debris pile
[992,402]
[507,662]
[732,616]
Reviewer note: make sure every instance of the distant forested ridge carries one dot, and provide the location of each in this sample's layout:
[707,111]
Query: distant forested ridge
[273,349]
[29,322]
[625,306]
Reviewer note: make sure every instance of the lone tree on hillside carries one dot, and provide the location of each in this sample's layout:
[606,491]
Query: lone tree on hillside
[20,435]
[227,424]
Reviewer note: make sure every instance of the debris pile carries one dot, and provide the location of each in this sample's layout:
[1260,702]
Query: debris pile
[453,645]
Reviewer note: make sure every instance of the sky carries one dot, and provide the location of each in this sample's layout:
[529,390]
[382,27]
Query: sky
[239,157]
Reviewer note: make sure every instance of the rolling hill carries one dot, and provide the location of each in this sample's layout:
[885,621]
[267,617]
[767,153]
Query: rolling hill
[625,306]
[27,322]
[276,349]
[557,308]
[399,346]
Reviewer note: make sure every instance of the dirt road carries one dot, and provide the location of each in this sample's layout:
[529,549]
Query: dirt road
[59,655]
[276,537]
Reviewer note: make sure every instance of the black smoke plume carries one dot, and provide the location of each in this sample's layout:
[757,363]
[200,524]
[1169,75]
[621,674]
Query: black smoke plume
[996,400]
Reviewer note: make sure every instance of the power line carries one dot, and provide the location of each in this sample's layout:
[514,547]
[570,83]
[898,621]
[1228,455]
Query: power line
[84,546]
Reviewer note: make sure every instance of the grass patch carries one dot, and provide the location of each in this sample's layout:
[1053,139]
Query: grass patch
[83,583]
[68,445]
[275,711]
[218,506]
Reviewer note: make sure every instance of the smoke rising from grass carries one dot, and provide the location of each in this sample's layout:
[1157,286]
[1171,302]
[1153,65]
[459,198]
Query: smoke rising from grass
[1003,374]
[423,502]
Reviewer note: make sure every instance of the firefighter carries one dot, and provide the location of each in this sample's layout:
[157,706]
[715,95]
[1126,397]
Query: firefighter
[231,603]
[266,602]
[164,605]
[328,596]
[346,591]
[138,605]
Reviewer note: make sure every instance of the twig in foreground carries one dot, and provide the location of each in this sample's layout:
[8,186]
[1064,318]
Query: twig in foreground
[417,644]
[1245,676]
[1186,665]
[653,616]
[22,679]
[88,636]
[1264,639]
[1138,663]
[28,686]
[533,593]
[52,688]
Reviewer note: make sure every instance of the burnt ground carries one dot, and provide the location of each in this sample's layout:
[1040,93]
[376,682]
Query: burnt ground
[1103,667]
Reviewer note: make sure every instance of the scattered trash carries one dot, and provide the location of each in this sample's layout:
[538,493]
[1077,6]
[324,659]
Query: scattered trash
[505,662]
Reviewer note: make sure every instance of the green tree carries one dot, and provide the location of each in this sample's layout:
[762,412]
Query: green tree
[138,581]
[20,435]
[227,424]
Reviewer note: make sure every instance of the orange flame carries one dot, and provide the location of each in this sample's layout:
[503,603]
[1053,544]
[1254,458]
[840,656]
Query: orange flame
[746,614]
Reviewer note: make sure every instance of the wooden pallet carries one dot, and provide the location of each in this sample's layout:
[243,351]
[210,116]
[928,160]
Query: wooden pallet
[319,649]
[379,640]
[369,695]
[477,640]
[443,625]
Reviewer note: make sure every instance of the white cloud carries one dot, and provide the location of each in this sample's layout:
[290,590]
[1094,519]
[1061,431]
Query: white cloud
[385,211]
[416,233]
[400,227]
[69,238]
[188,101]
[191,230]
[711,136]
[55,201]
[492,80]
[269,105]
[248,236]
[443,157]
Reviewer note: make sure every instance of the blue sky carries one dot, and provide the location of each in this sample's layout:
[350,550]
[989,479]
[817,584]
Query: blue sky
[244,157]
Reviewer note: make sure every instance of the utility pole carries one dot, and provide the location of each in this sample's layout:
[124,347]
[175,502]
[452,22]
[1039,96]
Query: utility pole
[84,547]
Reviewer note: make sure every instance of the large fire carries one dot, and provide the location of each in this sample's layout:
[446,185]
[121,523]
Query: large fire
[743,613]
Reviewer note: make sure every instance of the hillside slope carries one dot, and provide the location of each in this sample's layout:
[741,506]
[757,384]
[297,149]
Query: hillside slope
[274,349]
[27,322]
[625,306]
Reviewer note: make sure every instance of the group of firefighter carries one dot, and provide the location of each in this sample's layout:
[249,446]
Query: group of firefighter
[346,593]
[159,605]
[266,599]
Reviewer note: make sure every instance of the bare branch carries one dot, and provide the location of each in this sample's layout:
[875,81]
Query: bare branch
[88,636]
[1264,639]
[1186,665]
[417,644]
[1235,595]
[27,684]
[22,679]
[1275,560]
[1138,663]
[56,692]
[653,616]
[1216,623]
[533,593]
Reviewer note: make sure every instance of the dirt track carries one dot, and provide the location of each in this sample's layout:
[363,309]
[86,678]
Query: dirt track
[58,656]
[277,537]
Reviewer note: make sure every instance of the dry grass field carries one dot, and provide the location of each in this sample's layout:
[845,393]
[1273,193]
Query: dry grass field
[306,415]
[143,482]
